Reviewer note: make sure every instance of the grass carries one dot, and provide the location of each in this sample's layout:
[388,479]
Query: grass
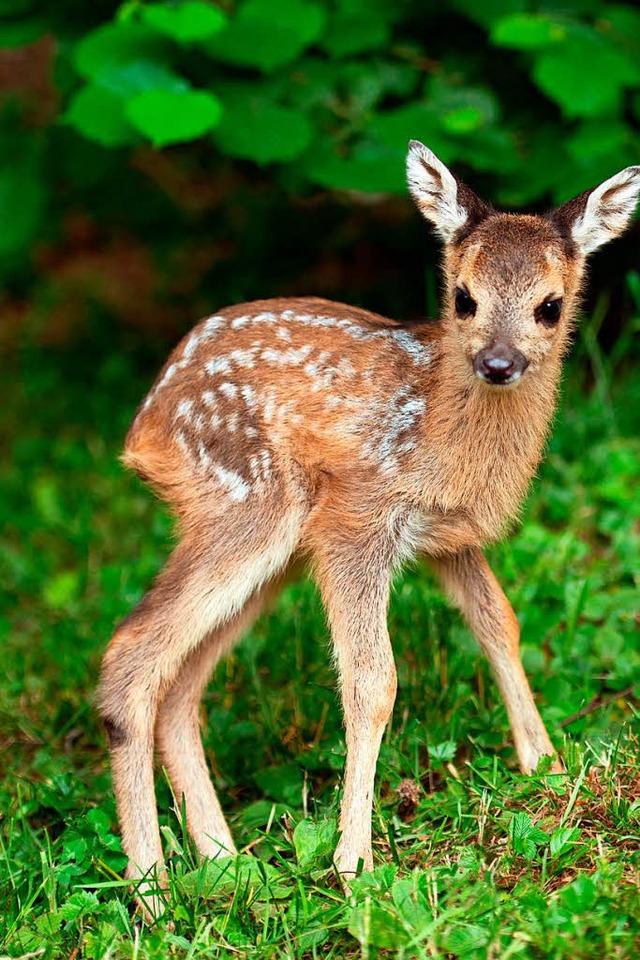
[473,859]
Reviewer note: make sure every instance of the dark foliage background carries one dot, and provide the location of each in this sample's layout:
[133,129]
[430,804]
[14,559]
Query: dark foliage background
[159,160]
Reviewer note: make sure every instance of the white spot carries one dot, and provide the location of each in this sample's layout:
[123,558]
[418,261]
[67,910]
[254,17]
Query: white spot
[209,399]
[287,357]
[250,432]
[249,397]
[240,321]
[419,353]
[228,389]
[346,368]
[232,422]
[212,324]
[314,366]
[202,333]
[190,345]
[244,358]
[168,374]
[233,483]
[184,409]
[394,421]
[265,458]
[217,365]
[198,423]
[269,408]
[284,334]
[203,456]
[260,465]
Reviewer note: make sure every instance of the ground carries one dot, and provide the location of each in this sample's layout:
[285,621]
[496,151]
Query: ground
[473,859]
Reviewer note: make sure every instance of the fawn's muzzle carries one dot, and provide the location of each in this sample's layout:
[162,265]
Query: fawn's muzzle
[500,363]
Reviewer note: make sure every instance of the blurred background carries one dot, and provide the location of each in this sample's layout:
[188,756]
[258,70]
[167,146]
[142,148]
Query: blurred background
[161,160]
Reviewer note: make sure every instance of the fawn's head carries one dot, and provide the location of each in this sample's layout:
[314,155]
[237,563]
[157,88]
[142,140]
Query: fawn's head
[512,280]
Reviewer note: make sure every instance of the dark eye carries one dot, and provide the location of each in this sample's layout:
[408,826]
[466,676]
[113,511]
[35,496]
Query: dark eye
[465,305]
[549,311]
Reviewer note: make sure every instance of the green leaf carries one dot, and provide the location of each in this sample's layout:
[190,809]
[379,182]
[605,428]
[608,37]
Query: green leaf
[257,38]
[369,168]
[282,783]
[255,128]
[166,116]
[411,901]
[441,753]
[580,895]
[527,31]
[525,837]
[561,73]
[314,843]
[99,115]
[219,878]
[185,22]
[461,109]
[374,883]
[420,121]
[139,75]
[62,589]
[562,839]
[375,926]
[353,33]
[104,51]
[84,901]
[600,137]
[460,939]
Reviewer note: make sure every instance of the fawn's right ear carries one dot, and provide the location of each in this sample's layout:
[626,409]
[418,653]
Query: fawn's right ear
[442,199]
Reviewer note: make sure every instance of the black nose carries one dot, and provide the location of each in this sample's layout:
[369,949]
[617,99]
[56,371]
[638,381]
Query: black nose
[500,363]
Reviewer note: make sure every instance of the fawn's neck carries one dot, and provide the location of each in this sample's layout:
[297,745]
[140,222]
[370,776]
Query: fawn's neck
[484,444]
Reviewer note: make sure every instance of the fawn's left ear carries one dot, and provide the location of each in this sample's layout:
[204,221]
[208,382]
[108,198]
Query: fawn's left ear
[451,206]
[599,215]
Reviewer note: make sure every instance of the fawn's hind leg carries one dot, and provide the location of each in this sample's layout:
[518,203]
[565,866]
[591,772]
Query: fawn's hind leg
[203,585]
[470,583]
[178,731]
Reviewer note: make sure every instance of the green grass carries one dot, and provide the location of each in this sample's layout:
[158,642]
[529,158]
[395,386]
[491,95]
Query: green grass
[473,859]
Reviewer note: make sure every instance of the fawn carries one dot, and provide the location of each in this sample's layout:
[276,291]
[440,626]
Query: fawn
[299,429]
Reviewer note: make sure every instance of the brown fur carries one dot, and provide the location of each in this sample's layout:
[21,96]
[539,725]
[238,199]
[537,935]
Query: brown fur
[334,434]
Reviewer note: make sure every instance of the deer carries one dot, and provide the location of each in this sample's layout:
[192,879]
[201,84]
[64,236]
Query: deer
[299,431]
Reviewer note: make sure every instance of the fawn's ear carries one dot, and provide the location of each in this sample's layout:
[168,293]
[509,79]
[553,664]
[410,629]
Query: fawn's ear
[599,215]
[442,199]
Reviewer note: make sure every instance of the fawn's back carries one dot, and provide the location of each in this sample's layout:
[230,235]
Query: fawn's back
[262,393]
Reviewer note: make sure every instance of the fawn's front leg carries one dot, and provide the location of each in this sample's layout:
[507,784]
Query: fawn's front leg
[470,583]
[354,582]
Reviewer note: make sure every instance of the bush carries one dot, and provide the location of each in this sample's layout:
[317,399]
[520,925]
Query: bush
[531,102]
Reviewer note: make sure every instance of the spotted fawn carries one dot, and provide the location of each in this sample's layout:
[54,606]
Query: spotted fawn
[300,430]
